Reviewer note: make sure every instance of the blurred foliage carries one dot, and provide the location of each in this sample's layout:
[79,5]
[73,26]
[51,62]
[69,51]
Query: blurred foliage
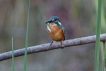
[98,31]
[77,16]
[103,30]
[103,15]
[26,40]
[12,54]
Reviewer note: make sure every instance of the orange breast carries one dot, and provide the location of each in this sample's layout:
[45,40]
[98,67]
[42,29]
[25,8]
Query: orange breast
[56,33]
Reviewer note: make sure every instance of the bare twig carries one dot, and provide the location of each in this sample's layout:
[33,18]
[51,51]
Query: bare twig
[55,45]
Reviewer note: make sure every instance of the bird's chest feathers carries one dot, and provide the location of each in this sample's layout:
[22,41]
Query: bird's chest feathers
[53,28]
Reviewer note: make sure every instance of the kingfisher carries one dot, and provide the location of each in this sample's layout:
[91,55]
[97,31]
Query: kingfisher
[55,29]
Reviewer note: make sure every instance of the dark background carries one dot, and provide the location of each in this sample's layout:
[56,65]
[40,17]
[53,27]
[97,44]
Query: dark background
[77,16]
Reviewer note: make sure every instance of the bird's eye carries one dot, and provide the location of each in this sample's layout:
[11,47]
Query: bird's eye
[56,20]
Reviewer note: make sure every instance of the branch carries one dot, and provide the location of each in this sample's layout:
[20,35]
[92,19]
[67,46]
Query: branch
[55,45]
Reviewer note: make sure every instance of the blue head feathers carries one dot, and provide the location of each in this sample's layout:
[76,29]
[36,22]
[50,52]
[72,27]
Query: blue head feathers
[52,19]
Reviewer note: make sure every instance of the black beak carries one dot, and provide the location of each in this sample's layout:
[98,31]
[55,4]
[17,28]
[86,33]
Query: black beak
[47,21]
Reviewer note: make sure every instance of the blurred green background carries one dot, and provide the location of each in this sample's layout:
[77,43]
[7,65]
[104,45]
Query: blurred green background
[77,16]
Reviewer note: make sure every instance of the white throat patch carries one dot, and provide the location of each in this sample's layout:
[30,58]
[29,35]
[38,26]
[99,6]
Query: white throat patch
[48,28]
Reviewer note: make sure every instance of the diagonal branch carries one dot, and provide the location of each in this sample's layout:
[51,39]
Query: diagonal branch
[55,45]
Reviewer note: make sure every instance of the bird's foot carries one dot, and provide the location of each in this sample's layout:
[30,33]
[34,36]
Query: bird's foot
[51,43]
[62,46]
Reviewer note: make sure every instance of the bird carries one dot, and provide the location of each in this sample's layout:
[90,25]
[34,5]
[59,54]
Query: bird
[55,29]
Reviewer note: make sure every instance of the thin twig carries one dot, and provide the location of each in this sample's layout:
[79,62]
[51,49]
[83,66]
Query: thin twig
[55,45]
